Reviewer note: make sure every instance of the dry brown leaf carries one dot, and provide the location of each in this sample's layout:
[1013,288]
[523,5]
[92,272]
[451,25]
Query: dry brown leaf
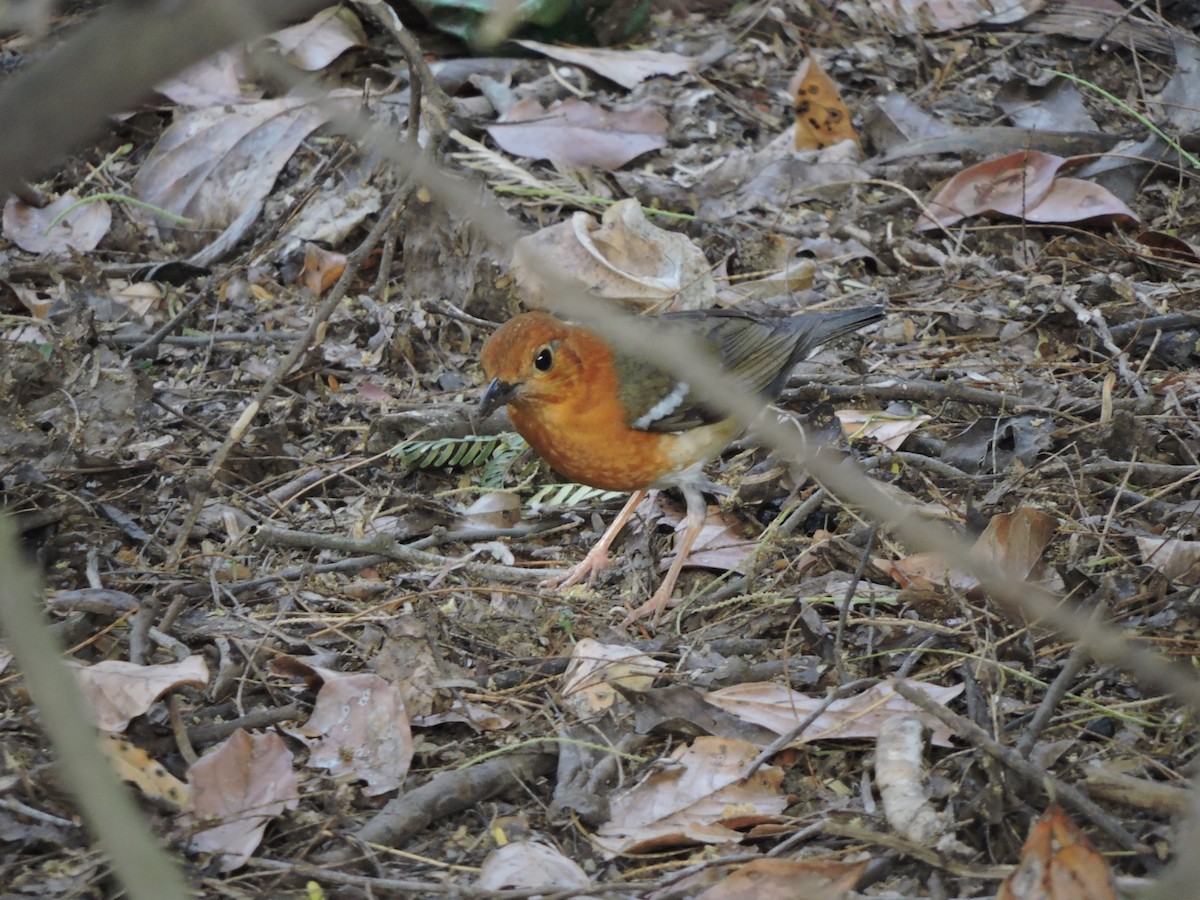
[788,879]
[595,667]
[358,727]
[889,430]
[314,44]
[624,257]
[700,795]
[576,133]
[720,544]
[628,68]
[1024,185]
[118,691]
[1076,200]
[1012,542]
[1058,862]
[822,118]
[1168,248]
[236,790]
[1010,185]
[1177,560]
[779,708]
[53,229]
[216,166]
[322,268]
[934,16]
[529,864]
[211,82]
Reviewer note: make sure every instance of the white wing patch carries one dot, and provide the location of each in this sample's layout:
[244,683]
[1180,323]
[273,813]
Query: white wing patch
[663,407]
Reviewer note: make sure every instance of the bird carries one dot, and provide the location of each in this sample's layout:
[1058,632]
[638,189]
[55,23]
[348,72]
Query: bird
[613,420]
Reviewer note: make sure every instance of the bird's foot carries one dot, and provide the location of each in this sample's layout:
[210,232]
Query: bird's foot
[587,568]
[653,607]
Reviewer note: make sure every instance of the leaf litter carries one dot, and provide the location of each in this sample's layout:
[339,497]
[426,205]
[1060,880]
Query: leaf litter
[1033,384]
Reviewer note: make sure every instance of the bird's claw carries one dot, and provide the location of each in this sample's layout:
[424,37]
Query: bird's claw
[587,568]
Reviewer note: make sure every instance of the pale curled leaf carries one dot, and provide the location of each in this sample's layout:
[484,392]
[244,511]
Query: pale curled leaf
[934,16]
[890,431]
[594,669]
[779,708]
[529,864]
[788,879]
[628,68]
[623,257]
[117,691]
[53,229]
[1177,560]
[314,44]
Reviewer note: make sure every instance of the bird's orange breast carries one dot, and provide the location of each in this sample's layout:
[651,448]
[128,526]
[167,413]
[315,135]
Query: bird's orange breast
[584,446]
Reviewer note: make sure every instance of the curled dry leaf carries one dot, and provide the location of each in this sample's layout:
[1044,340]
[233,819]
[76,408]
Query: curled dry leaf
[57,228]
[624,257]
[210,82]
[779,708]
[236,790]
[628,68]
[1177,560]
[1010,185]
[576,133]
[314,44]
[701,795]
[529,864]
[934,16]
[720,545]
[118,691]
[1012,542]
[594,669]
[322,268]
[1024,185]
[822,118]
[1058,862]
[889,430]
[1168,248]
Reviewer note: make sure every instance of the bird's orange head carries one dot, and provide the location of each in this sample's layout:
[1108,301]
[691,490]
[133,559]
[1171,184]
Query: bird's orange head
[533,360]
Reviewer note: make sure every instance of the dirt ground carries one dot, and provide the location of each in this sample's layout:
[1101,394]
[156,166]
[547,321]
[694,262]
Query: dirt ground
[254,475]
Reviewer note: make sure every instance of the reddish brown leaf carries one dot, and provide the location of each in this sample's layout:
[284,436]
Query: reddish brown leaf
[236,790]
[1058,862]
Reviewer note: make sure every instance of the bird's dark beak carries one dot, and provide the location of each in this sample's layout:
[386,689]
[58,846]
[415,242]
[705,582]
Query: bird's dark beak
[498,394]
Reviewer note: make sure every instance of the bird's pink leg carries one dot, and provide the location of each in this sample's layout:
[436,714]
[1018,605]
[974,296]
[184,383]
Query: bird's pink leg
[697,511]
[597,558]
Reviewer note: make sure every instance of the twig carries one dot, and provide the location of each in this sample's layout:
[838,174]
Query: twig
[1035,775]
[390,548]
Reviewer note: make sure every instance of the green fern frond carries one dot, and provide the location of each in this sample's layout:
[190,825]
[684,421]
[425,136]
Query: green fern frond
[458,453]
[552,495]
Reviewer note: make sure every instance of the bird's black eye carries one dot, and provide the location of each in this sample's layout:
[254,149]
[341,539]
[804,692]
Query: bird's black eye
[544,360]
